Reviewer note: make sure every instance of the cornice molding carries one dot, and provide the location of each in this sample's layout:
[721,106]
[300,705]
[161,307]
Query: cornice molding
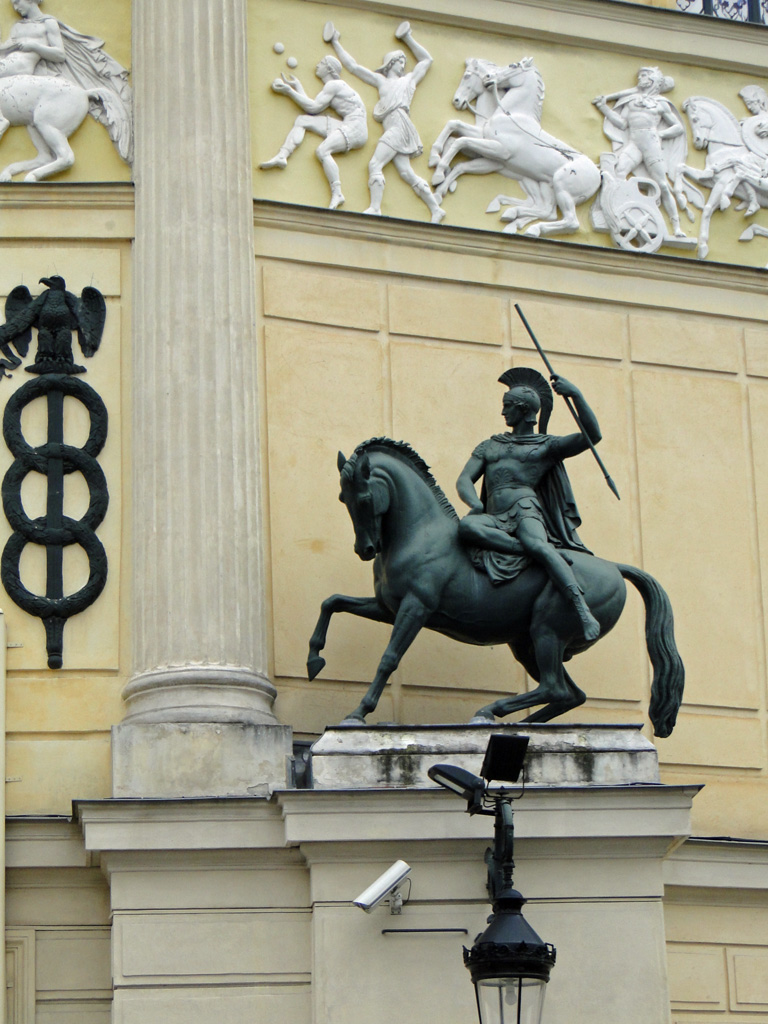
[674,282]
[48,211]
[631,28]
[65,195]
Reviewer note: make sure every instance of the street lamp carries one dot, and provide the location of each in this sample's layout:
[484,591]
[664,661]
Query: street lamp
[508,962]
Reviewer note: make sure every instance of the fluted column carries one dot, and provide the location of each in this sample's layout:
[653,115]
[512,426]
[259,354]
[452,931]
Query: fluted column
[198,592]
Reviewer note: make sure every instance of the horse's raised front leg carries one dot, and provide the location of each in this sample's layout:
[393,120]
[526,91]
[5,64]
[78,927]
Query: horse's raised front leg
[410,617]
[365,607]
[472,141]
[481,165]
[451,128]
[706,216]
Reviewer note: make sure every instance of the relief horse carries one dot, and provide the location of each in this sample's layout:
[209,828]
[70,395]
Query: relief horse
[424,578]
[508,139]
[51,109]
[730,166]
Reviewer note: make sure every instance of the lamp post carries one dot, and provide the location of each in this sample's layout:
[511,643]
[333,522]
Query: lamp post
[509,963]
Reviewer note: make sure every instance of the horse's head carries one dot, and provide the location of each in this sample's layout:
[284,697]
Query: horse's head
[701,122]
[509,77]
[367,499]
[472,82]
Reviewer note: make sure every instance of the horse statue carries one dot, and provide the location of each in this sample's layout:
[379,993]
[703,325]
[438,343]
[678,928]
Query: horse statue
[508,139]
[731,169]
[482,103]
[51,109]
[424,578]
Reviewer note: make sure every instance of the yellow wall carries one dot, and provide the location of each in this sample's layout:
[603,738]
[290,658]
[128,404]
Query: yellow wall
[59,721]
[575,68]
[401,328]
[95,157]
[364,336]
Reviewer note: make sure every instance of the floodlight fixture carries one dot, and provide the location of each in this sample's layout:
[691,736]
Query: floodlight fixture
[504,757]
[467,785]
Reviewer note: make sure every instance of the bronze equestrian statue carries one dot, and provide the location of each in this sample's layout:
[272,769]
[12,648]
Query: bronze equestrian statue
[512,571]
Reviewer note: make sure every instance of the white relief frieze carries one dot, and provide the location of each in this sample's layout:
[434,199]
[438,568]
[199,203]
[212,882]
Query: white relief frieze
[643,193]
[51,77]
[508,139]
[736,161]
[644,171]
[399,140]
[339,134]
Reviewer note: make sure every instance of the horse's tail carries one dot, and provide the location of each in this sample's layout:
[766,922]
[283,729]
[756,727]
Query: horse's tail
[668,670]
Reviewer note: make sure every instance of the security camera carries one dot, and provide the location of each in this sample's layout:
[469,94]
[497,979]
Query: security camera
[384,886]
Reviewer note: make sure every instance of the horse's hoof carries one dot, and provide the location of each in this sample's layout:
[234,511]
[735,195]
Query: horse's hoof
[534,231]
[494,206]
[5,177]
[438,177]
[452,187]
[352,720]
[315,664]
[434,160]
[703,251]
[482,719]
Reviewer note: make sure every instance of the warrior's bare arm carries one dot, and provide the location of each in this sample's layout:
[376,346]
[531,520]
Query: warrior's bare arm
[465,485]
[675,128]
[53,47]
[420,53]
[371,77]
[317,105]
[602,105]
[575,444]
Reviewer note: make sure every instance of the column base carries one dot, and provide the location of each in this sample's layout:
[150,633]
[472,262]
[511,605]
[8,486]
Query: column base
[199,731]
[176,760]
[209,693]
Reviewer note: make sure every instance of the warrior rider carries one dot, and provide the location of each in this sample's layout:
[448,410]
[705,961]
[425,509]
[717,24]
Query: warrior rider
[527,507]
[647,119]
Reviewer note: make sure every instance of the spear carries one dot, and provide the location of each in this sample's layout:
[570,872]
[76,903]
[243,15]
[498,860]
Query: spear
[569,403]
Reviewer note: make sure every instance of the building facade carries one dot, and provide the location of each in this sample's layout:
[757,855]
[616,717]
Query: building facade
[166,856]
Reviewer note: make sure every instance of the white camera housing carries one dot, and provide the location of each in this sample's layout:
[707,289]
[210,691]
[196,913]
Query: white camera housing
[384,886]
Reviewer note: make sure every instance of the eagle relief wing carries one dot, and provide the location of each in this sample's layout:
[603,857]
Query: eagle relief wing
[91,314]
[20,314]
[106,82]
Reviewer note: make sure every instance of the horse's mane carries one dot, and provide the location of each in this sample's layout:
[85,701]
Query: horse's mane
[707,101]
[503,81]
[501,76]
[481,66]
[402,451]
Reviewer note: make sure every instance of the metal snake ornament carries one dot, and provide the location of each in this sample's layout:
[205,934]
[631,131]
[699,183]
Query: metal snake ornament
[54,530]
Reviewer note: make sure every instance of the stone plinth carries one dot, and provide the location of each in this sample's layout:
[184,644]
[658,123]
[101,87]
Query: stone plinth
[198,759]
[363,757]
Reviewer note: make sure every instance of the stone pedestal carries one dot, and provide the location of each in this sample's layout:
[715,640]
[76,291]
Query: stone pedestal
[198,759]
[371,757]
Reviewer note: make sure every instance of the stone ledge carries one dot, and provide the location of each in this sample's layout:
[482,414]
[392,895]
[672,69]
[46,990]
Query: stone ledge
[365,757]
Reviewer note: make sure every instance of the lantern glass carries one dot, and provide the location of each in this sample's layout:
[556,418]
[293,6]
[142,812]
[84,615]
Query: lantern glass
[510,1000]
